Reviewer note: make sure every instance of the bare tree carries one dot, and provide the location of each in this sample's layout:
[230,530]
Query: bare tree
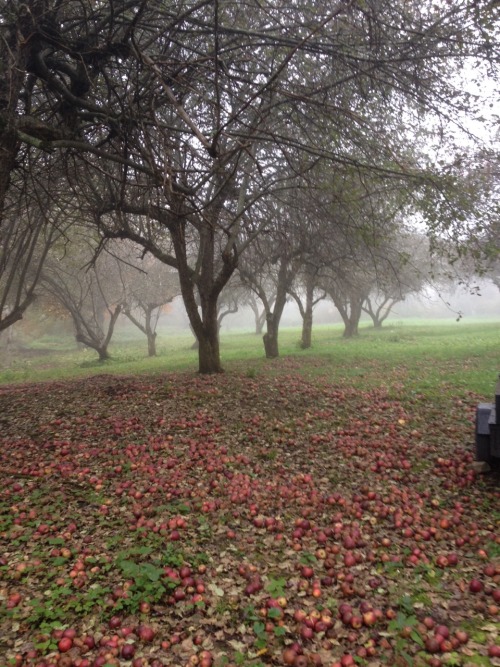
[147,285]
[307,295]
[88,286]
[234,295]
[348,286]
[405,268]
[259,313]
[271,265]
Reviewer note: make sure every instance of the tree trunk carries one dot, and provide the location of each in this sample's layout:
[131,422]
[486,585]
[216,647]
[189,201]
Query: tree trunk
[307,323]
[103,353]
[94,339]
[208,356]
[205,330]
[260,320]
[150,333]
[273,318]
[380,314]
[351,322]
[350,329]
[307,317]
[260,317]
[270,338]
[208,352]
[146,328]
[151,344]
[204,326]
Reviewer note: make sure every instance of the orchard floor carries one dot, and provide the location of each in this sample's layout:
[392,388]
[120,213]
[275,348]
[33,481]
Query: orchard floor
[243,519]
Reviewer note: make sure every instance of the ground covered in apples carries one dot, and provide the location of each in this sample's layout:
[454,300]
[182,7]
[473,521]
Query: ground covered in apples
[236,520]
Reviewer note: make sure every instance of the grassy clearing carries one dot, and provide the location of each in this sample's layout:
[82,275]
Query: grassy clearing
[431,357]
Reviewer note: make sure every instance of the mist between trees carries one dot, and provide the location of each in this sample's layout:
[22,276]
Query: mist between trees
[240,154]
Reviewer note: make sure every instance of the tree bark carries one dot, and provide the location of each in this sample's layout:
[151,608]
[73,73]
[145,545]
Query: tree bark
[270,338]
[151,343]
[350,329]
[209,356]
[260,318]
[208,352]
[103,354]
[204,327]
[380,314]
[350,308]
[351,321]
[91,339]
[273,318]
[307,323]
[307,315]
[150,334]
[146,328]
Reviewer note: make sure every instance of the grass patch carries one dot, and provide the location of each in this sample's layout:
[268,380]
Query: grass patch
[435,358]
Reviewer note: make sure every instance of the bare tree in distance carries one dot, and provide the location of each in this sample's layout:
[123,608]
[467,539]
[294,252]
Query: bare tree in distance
[147,286]
[306,294]
[404,270]
[234,295]
[259,313]
[88,286]
[271,265]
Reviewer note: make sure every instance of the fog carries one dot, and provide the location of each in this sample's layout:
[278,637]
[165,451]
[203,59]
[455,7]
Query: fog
[462,304]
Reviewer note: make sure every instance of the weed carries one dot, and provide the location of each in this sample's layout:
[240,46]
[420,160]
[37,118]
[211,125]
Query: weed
[276,587]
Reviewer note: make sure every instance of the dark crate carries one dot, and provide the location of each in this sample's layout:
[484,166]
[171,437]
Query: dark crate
[487,430]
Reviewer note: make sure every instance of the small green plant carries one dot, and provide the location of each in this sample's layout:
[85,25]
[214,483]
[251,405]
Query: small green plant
[147,586]
[53,609]
[392,567]
[276,587]
[49,644]
[405,604]
[405,626]
[308,558]
[269,455]
[260,632]
[249,613]
[493,548]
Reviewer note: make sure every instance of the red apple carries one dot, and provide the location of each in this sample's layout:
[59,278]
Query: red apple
[64,644]
[475,586]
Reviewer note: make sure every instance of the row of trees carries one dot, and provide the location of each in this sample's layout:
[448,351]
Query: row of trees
[94,289]
[280,141]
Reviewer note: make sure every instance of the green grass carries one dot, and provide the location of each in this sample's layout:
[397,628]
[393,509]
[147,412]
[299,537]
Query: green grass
[432,357]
